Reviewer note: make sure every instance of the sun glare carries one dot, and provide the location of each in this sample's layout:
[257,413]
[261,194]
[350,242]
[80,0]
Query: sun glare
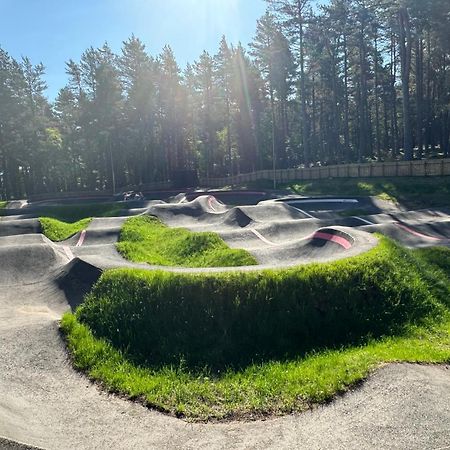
[210,16]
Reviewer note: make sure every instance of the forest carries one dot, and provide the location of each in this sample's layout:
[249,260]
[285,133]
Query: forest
[348,81]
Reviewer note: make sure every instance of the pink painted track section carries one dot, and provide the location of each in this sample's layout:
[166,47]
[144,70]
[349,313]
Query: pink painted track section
[417,233]
[333,238]
[81,239]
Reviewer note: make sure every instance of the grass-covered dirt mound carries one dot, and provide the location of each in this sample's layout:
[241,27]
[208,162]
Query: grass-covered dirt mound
[255,344]
[58,231]
[147,239]
[232,319]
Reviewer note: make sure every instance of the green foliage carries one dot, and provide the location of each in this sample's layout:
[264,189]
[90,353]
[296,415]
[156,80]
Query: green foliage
[234,318]
[57,231]
[417,287]
[412,192]
[147,239]
[300,94]
[3,204]
[74,213]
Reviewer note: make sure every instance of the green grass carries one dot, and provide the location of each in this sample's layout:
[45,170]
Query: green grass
[3,204]
[147,239]
[58,231]
[74,213]
[412,192]
[301,336]
[270,388]
[61,222]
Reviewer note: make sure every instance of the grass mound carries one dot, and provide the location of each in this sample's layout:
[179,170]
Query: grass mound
[147,239]
[234,318]
[252,344]
[57,231]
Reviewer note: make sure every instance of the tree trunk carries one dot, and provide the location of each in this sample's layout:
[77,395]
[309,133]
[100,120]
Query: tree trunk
[405,42]
[305,142]
[419,96]
[377,108]
[346,105]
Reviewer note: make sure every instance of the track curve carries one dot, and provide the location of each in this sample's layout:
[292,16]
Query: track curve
[44,403]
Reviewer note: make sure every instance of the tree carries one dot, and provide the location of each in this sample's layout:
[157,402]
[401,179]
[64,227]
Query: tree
[405,45]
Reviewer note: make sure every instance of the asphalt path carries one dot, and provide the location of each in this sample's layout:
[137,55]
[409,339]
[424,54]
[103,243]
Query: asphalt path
[46,404]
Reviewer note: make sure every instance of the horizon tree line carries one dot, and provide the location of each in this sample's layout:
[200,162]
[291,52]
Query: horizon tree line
[350,81]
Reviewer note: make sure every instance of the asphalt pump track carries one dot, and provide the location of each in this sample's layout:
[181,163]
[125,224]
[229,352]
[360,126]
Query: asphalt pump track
[46,404]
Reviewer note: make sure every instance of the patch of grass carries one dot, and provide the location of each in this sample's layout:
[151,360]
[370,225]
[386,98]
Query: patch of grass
[3,204]
[412,192]
[57,231]
[147,239]
[270,388]
[74,213]
[437,258]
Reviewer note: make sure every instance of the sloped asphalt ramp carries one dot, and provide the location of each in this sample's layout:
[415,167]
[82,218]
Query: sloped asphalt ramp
[44,403]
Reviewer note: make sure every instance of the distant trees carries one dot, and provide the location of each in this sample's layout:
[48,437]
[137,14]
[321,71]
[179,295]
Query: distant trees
[354,80]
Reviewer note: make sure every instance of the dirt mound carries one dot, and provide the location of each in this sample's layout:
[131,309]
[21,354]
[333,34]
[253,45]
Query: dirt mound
[15,227]
[236,217]
[273,212]
[28,259]
[169,211]
[76,279]
[322,245]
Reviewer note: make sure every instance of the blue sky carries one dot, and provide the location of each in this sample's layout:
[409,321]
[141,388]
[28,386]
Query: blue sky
[53,31]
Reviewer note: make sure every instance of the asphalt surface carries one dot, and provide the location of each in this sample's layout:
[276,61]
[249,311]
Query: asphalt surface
[46,404]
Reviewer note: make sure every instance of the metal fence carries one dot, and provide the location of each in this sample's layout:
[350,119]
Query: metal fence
[431,168]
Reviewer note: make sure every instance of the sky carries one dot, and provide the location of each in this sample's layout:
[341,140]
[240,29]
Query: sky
[54,31]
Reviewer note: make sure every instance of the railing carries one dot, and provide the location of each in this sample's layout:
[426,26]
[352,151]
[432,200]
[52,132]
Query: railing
[430,168]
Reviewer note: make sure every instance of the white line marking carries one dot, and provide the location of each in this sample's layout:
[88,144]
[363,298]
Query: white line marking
[306,214]
[68,252]
[260,236]
[368,222]
[321,200]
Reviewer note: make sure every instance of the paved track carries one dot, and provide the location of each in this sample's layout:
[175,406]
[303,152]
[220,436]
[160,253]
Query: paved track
[44,403]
